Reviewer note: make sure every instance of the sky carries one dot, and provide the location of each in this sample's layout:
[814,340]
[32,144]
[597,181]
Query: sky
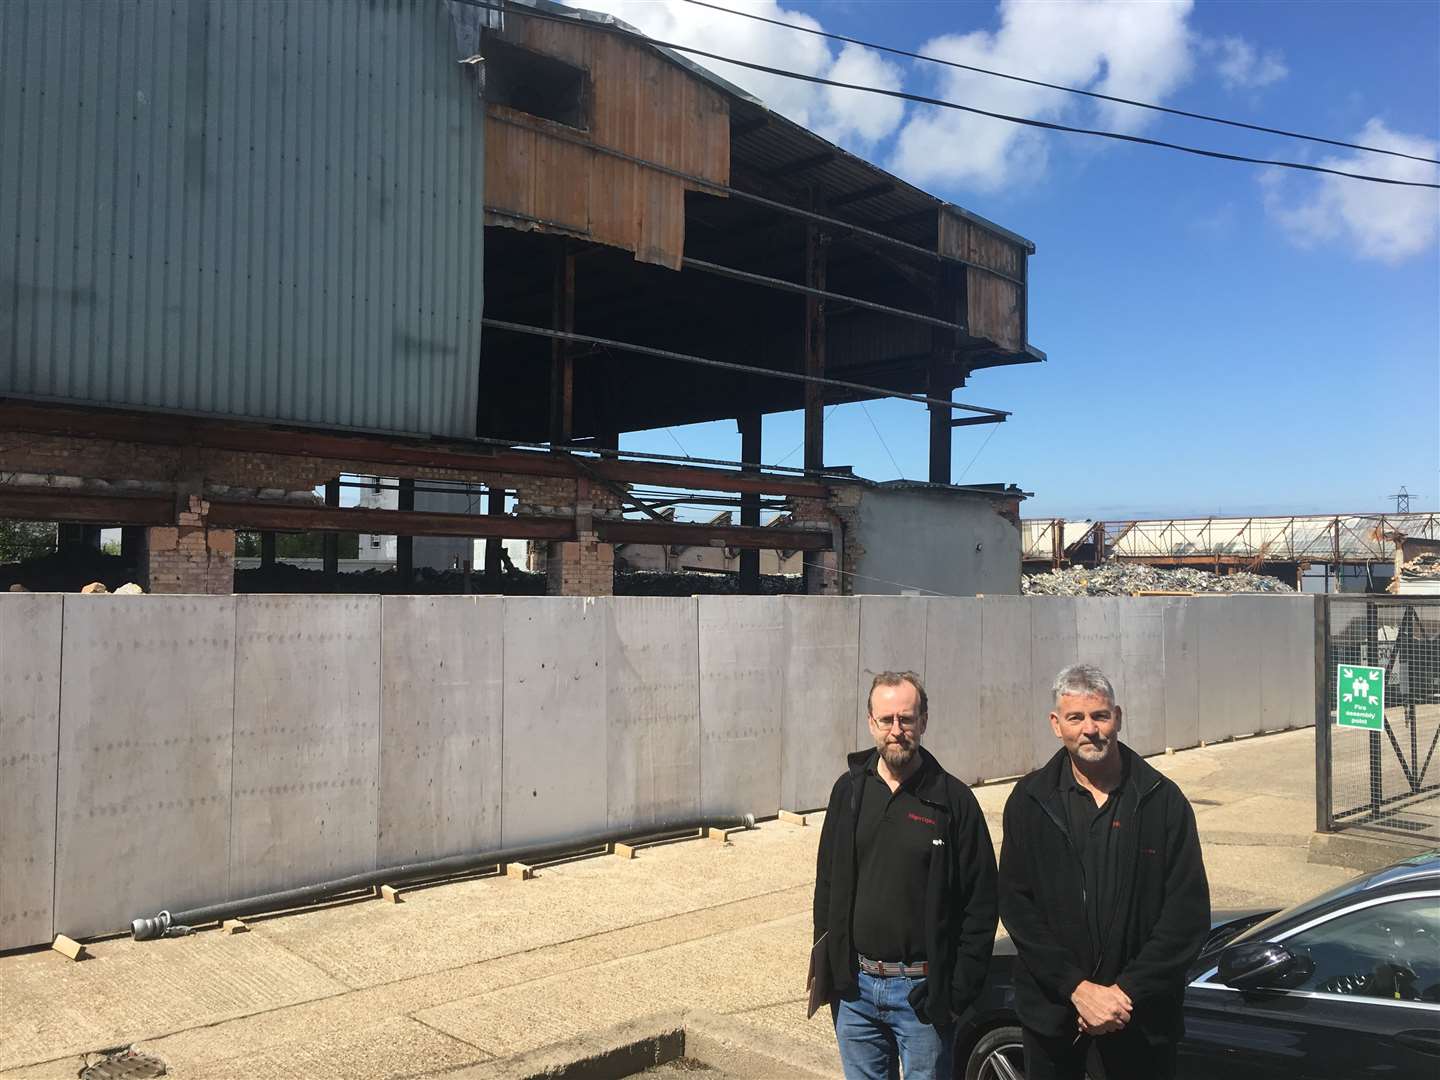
[1222,338]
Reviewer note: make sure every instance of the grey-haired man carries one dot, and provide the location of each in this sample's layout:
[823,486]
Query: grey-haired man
[1103,891]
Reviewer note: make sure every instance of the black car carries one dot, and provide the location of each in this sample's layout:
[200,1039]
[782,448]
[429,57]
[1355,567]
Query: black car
[1344,986]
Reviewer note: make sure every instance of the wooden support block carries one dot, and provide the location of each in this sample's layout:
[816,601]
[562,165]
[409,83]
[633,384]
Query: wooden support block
[793,818]
[69,947]
[519,871]
[625,851]
[391,893]
[720,836]
[234,926]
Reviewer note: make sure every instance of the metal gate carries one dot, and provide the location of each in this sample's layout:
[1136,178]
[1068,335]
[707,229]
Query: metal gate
[1387,779]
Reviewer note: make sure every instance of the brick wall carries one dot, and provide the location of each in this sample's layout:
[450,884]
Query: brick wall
[191,557]
[584,567]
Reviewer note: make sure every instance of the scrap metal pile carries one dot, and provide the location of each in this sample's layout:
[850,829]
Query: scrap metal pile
[1127,579]
[1422,566]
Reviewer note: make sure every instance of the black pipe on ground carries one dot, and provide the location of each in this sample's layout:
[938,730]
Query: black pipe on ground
[169,922]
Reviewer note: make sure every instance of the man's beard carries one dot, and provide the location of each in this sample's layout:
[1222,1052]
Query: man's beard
[897,756]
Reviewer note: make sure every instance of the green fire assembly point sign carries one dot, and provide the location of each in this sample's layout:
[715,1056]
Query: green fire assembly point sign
[1360,697]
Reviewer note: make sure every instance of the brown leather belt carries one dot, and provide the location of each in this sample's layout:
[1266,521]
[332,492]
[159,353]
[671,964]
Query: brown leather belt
[887,969]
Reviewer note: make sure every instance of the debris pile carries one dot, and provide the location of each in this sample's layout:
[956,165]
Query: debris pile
[1426,565]
[1126,579]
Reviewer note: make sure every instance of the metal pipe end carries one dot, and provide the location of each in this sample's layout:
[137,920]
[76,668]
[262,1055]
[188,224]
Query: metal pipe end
[150,929]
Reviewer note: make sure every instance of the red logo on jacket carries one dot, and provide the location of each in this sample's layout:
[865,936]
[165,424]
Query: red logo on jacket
[924,820]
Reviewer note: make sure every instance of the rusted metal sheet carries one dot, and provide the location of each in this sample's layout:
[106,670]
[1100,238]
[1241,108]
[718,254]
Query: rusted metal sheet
[640,104]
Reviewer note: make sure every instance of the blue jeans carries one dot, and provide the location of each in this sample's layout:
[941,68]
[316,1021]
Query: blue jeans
[880,1035]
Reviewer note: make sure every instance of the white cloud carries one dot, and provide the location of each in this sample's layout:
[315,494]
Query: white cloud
[1140,51]
[1380,222]
[1243,67]
[850,117]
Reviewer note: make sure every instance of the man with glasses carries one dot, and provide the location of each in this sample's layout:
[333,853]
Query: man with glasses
[904,896]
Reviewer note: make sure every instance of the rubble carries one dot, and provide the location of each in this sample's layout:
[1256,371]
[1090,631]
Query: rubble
[130,589]
[94,588]
[1426,565]
[1126,579]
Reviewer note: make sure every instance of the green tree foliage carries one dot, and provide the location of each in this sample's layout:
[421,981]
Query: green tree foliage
[21,540]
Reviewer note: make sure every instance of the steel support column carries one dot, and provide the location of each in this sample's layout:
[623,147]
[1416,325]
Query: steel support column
[494,507]
[816,243]
[562,358]
[405,545]
[267,550]
[330,542]
[750,424]
[951,305]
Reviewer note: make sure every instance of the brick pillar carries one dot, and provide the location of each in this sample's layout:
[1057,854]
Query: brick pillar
[583,567]
[190,557]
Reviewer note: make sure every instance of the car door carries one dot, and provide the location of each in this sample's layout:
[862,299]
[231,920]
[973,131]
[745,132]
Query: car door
[1365,1001]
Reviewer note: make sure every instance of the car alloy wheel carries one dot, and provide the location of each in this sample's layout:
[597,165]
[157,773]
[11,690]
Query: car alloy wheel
[998,1055]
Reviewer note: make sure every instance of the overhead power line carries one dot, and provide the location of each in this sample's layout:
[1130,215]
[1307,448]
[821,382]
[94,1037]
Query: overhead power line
[1065,89]
[922,99]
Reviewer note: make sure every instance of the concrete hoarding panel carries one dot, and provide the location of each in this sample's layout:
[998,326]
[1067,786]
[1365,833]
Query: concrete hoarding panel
[1287,665]
[821,651]
[959,732]
[1228,671]
[29,734]
[1099,637]
[652,706]
[441,691]
[742,695]
[1142,647]
[555,741]
[1007,689]
[892,638]
[1054,645]
[307,740]
[1182,688]
[146,715]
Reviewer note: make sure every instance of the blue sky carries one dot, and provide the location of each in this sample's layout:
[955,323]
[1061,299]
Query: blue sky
[1222,339]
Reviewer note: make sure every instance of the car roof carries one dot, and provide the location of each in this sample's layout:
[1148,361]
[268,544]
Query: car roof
[1424,865]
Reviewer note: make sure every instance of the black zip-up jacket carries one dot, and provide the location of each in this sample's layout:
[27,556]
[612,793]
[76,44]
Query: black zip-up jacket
[1152,935]
[960,905]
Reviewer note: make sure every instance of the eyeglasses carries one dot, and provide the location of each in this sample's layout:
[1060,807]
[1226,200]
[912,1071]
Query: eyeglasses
[907,723]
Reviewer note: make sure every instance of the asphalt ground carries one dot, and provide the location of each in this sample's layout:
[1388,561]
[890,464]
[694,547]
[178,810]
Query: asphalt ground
[467,974]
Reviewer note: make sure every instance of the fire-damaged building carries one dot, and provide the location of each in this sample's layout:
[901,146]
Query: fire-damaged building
[257,246]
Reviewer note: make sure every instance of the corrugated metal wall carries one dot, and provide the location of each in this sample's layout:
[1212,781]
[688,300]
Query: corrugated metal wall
[258,208]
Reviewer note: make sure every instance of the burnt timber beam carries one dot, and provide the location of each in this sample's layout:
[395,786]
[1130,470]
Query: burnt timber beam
[874,191]
[823,294]
[804,164]
[156,429]
[48,504]
[300,518]
[971,420]
[950,302]
[687,534]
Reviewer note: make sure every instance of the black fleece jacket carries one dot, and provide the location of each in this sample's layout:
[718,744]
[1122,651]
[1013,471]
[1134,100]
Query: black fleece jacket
[960,905]
[1159,921]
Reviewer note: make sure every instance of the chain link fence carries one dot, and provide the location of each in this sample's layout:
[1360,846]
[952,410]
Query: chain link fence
[1377,766]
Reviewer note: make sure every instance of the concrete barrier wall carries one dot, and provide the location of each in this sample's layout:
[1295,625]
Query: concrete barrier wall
[164,752]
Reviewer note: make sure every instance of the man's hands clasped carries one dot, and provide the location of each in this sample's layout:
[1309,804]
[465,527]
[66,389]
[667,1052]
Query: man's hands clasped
[1101,1009]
